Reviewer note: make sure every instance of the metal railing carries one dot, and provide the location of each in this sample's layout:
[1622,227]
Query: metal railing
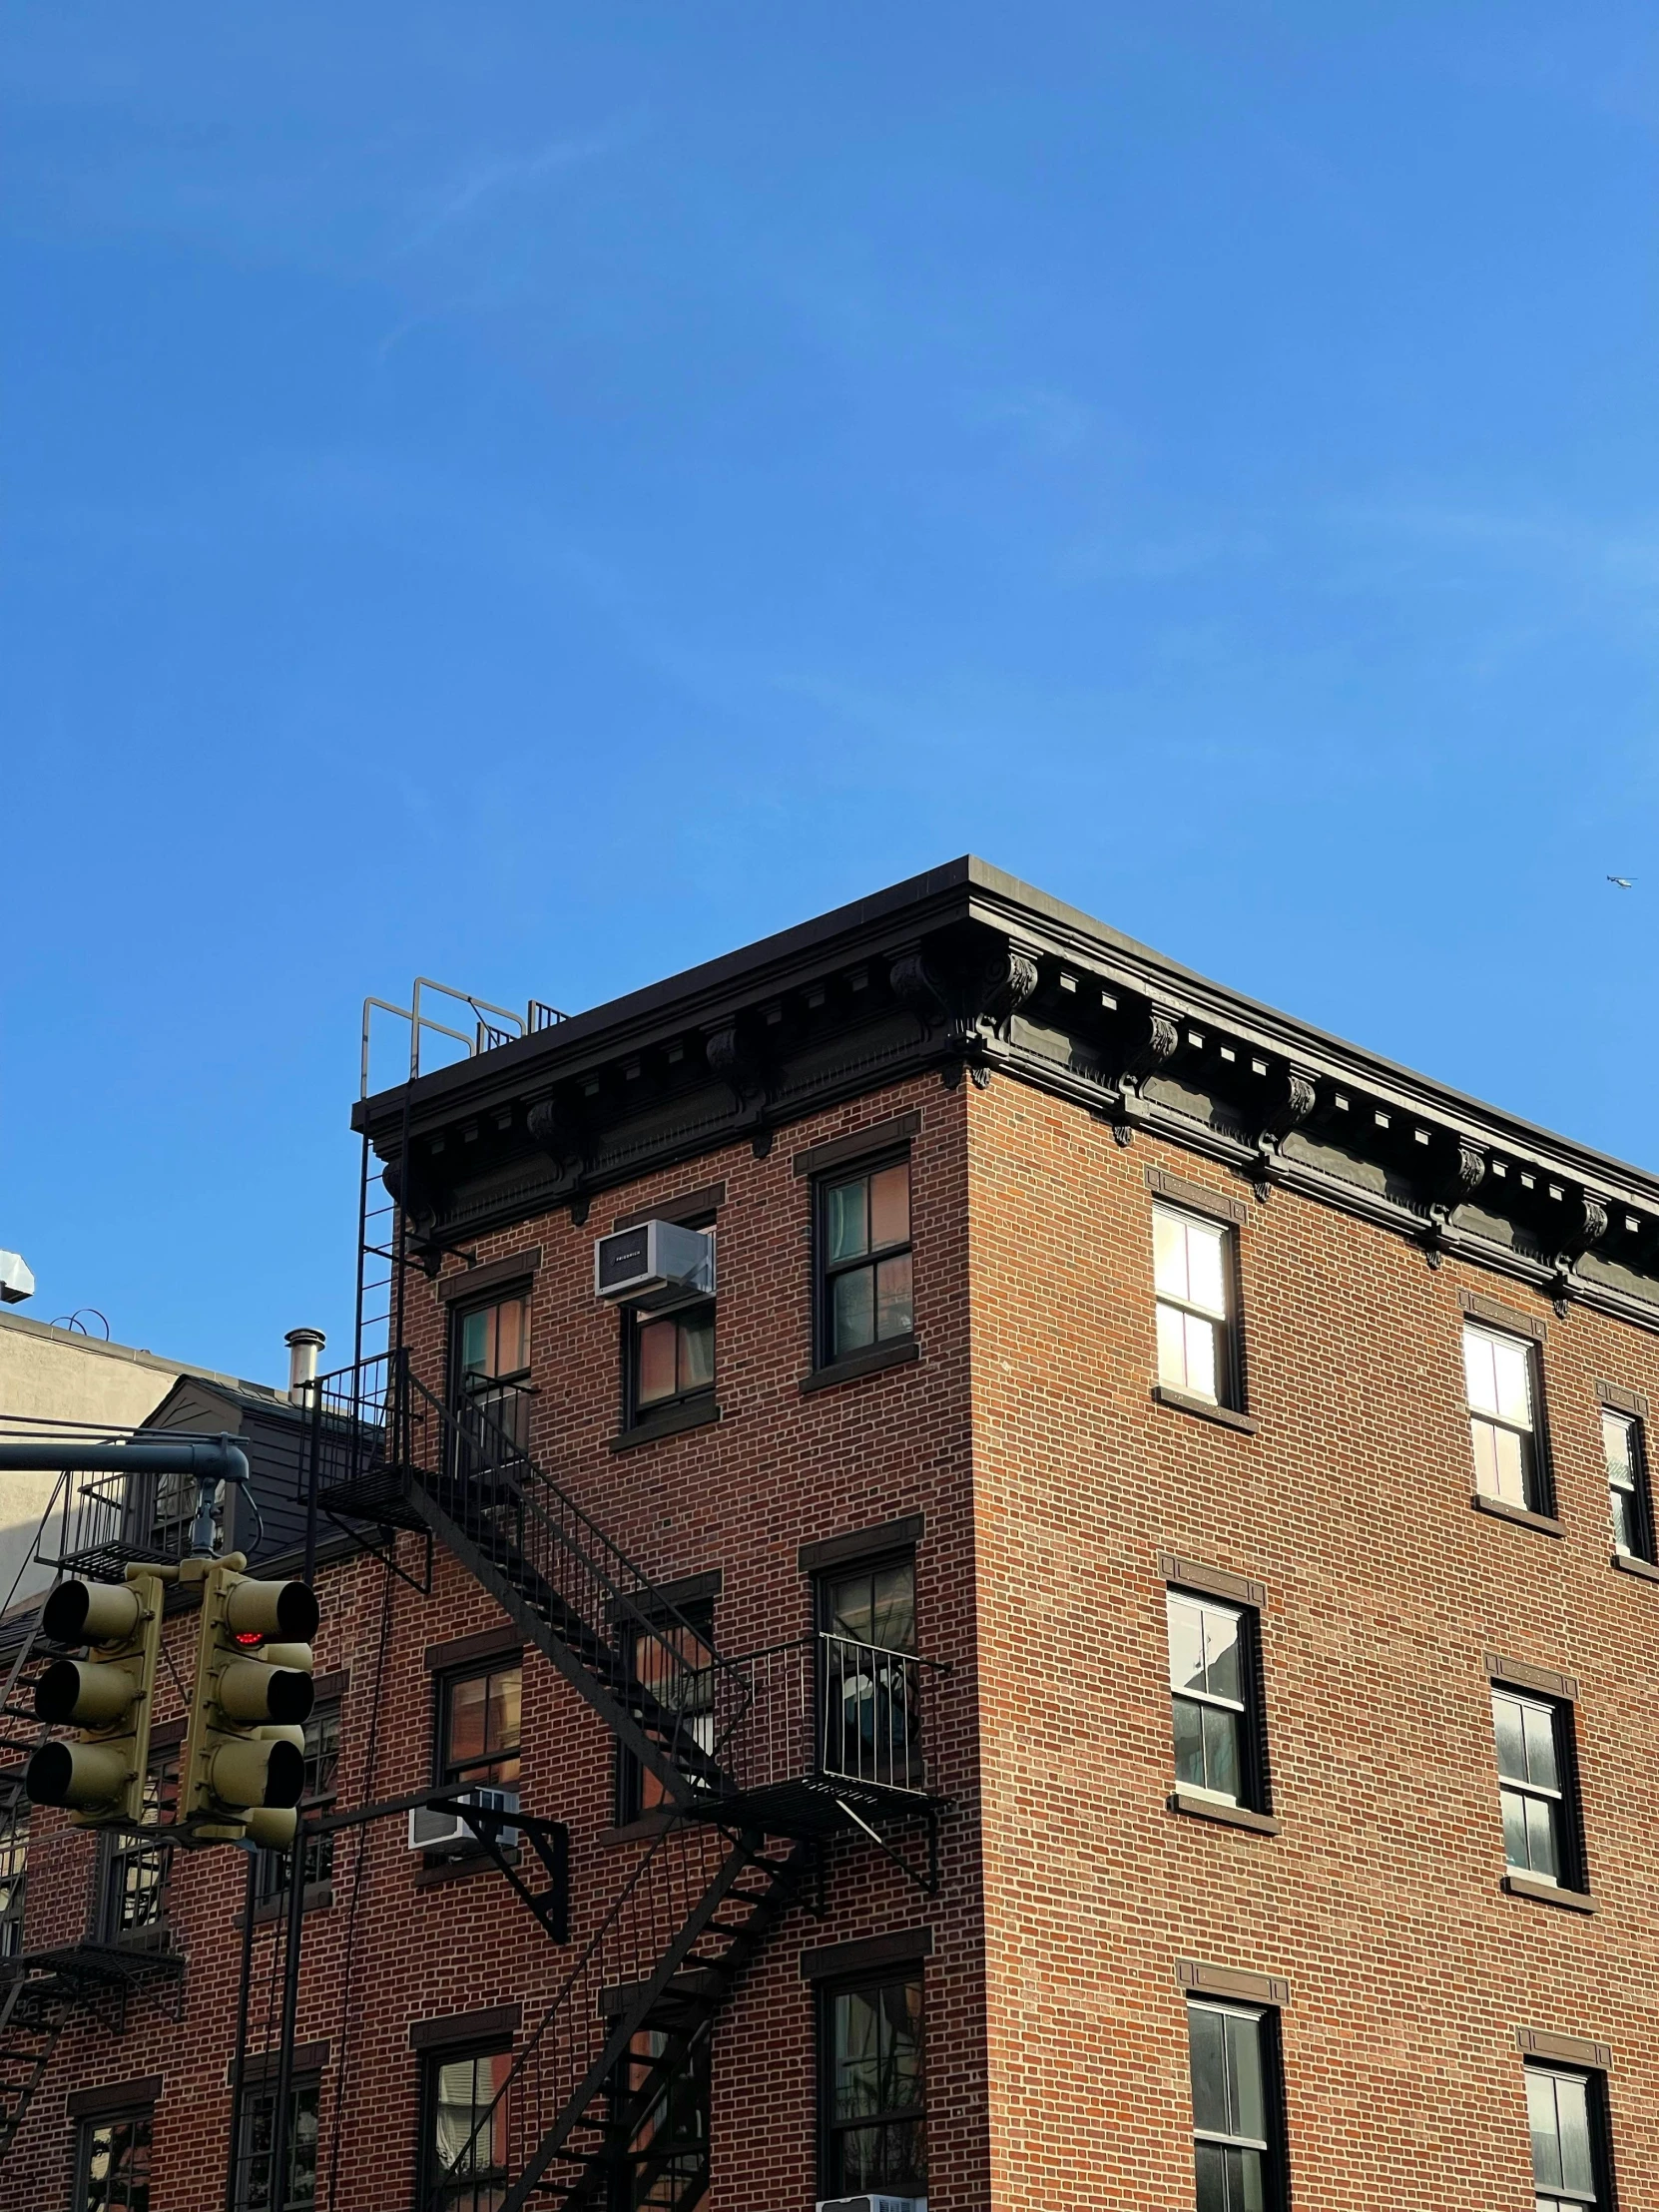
[97,1524]
[661,1924]
[831,1709]
[379,1433]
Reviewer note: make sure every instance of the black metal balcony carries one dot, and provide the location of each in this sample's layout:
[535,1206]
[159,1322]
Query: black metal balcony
[831,1732]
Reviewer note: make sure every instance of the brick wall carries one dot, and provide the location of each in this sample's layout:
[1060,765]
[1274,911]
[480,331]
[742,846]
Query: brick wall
[1379,1900]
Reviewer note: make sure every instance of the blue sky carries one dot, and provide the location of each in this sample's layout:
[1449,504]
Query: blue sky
[539,495]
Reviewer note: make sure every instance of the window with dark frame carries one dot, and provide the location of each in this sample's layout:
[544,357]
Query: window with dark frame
[1572,2158]
[1237,2151]
[14,1866]
[478,1726]
[1193,1269]
[256,2155]
[674,1664]
[865,1286]
[670,1359]
[1624,1447]
[321,1767]
[133,1875]
[1536,1788]
[870,1679]
[463,2130]
[1215,1699]
[1501,1373]
[492,1376]
[874,2109]
[112,2163]
[664,2159]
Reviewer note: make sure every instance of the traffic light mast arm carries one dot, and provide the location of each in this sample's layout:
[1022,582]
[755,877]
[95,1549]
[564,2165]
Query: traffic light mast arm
[212,1459]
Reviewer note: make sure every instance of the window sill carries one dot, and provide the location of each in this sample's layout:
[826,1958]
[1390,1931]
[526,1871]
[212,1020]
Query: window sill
[1215,1808]
[1523,1517]
[320,1895]
[1548,1893]
[1628,1563]
[898,1354]
[1224,1416]
[464,1867]
[674,1423]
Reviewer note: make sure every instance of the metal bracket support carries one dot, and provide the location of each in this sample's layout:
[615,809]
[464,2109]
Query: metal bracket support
[928,1883]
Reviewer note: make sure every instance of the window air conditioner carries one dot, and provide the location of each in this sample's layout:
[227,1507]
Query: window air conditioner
[873,2204]
[433,1827]
[656,1262]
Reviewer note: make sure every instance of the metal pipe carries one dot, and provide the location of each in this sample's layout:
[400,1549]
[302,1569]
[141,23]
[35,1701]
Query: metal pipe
[281,2133]
[214,1457]
[239,2060]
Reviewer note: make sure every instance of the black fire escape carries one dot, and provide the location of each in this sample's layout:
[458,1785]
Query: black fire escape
[759,1757]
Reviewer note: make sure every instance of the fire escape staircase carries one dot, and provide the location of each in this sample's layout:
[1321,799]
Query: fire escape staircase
[705,1897]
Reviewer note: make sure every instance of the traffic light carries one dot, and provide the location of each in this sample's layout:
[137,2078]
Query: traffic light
[100,1774]
[253,1689]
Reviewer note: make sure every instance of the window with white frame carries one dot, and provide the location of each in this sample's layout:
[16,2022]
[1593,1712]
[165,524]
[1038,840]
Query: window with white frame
[1534,1787]
[1623,1447]
[1210,1678]
[1501,1377]
[1192,1278]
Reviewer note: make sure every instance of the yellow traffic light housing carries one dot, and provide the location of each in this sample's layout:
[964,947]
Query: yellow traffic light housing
[253,1689]
[100,1773]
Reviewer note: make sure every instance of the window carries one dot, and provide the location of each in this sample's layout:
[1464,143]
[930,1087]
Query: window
[478,1719]
[874,2113]
[871,1686]
[256,2154]
[1623,1445]
[1534,1768]
[14,1862]
[1569,2139]
[492,1376]
[1504,1423]
[465,2131]
[863,1234]
[665,2156]
[671,1358]
[676,1666]
[1211,1679]
[1235,2149]
[321,1764]
[134,1874]
[111,2165]
[1191,1265]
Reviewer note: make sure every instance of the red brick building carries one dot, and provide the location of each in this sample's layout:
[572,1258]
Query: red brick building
[1108,1642]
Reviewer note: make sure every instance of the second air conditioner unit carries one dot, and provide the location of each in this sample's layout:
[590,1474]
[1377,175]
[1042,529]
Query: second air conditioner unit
[437,1828]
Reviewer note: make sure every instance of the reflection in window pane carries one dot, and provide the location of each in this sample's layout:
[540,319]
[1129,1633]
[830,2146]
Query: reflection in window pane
[853,1311]
[892,1296]
[845,1235]
[889,1207]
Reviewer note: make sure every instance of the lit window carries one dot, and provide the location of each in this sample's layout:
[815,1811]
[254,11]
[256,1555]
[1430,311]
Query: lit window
[674,1662]
[1209,1683]
[1190,1268]
[865,1244]
[1503,1390]
[1569,2152]
[1234,2147]
[492,1360]
[478,1728]
[673,1358]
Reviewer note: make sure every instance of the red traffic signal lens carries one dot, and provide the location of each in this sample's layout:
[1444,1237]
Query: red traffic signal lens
[248,1637]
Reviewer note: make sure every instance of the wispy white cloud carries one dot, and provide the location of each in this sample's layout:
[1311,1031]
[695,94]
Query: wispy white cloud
[475,190]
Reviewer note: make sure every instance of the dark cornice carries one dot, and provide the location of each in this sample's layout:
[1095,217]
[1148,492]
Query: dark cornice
[970,971]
